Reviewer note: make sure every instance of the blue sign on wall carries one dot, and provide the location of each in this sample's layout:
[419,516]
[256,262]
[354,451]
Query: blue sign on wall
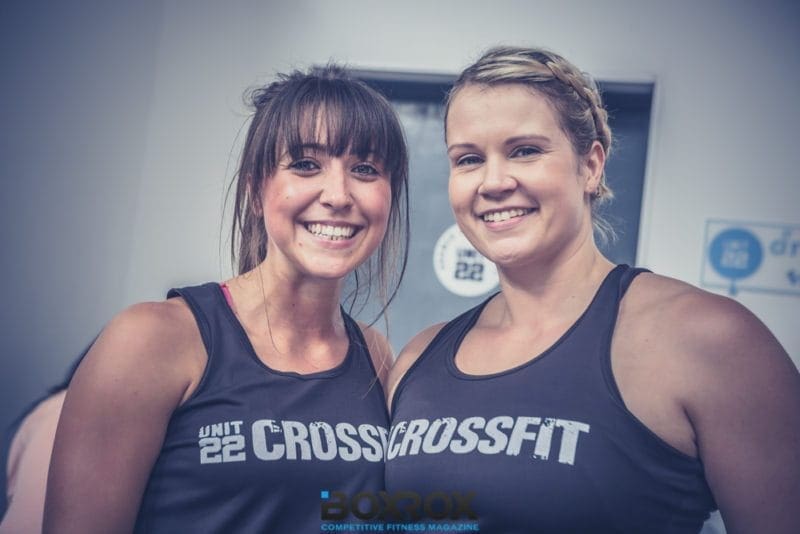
[747,256]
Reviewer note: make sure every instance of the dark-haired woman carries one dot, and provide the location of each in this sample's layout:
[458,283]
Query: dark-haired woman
[231,407]
[585,396]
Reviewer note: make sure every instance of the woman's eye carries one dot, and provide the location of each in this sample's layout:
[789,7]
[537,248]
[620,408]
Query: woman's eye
[304,165]
[522,151]
[366,169]
[469,159]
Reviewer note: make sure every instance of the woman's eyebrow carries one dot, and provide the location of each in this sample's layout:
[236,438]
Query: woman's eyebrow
[510,141]
[527,137]
[302,147]
[456,146]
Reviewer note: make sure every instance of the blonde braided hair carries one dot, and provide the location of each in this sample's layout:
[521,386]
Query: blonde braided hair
[573,94]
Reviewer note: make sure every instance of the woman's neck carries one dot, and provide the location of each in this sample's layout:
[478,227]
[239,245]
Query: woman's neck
[555,290]
[292,307]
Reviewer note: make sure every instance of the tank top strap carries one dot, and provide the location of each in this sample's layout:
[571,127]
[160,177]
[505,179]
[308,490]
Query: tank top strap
[604,360]
[203,301]
[627,277]
[601,315]
[452,334]
[358,343]
[441,347]
[354,333]
[228,350]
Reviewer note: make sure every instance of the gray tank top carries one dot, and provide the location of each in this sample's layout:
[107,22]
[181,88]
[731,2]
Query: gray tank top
[253,449]
[548,446]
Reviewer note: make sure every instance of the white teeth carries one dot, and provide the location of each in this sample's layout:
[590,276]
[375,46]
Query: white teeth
[497,216]
[328,231]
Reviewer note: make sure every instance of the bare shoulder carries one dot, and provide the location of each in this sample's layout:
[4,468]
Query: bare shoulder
[40,423]
[708,328]
[46,411]
[28,460]
[143,365]
[737,387]
[170,319]
[379,350]
[408,355]
[155,344]
[709,339]
[716,334]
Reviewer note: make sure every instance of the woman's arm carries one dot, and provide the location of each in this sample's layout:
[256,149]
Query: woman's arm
[708,377]
[143,365]
[745,408]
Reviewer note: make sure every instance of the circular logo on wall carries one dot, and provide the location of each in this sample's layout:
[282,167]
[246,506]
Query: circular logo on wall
[460,268]
[735,253]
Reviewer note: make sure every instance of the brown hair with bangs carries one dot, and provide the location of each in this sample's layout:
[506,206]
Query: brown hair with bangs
[302,108]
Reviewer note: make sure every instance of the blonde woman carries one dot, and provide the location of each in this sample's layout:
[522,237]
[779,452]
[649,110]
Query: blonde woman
[584,396]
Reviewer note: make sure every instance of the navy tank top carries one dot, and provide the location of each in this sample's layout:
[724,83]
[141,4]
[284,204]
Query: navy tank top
[547,446]
[253,449]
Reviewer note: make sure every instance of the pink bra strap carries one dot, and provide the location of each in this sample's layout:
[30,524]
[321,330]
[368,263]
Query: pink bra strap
[227,293]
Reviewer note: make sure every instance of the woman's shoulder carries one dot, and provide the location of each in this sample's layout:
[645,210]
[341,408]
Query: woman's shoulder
[735,384]
[27,465]
[40,423]
[688,313]
[43,414]
[713,341]
[153,330]
[152,344]
[409,355]
[145,363]
[171,317]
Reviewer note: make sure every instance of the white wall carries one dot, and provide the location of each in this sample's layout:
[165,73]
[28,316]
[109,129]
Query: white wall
[725,110]
[120,126]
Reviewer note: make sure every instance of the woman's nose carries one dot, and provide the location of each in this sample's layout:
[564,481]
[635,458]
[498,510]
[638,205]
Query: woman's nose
[496,180]
[335,192]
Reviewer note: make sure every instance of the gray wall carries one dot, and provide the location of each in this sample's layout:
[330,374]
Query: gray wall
[77,87]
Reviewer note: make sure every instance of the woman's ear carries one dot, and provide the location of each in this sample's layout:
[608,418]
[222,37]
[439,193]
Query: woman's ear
[593,166]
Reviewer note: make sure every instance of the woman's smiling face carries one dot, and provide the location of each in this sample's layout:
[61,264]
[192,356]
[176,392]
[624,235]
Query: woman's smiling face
[517,188]
[324,214]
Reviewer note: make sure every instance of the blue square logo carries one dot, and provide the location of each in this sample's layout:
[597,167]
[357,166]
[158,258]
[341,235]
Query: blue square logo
[324,494]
